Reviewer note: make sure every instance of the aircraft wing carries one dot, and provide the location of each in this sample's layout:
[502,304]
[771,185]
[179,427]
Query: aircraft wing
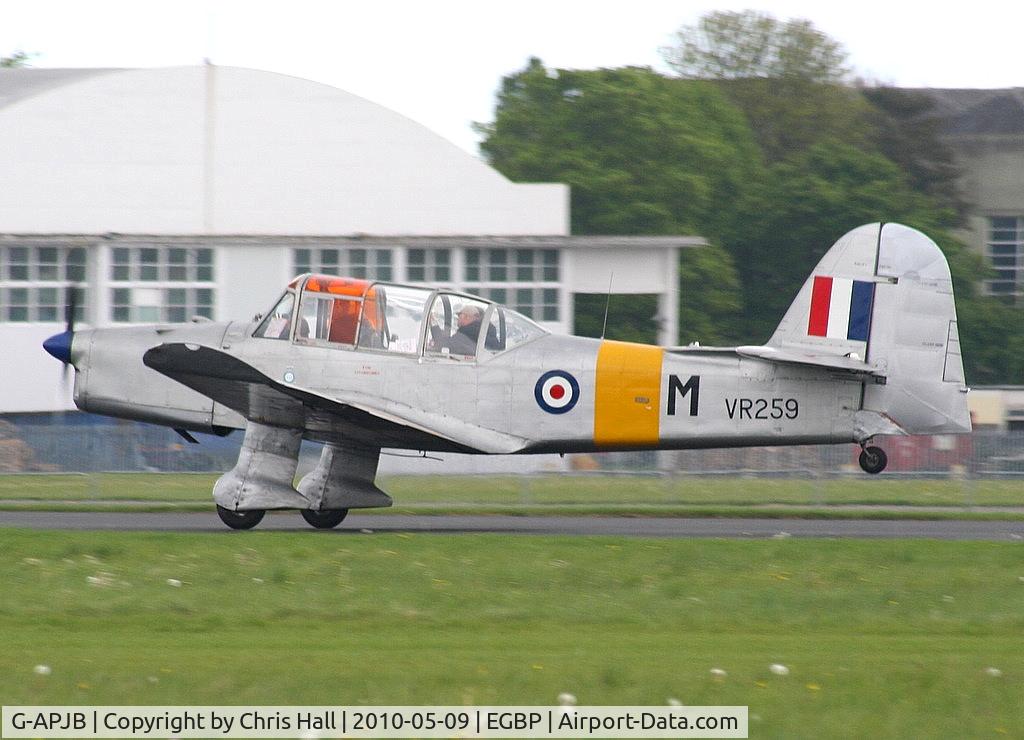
[343,416]
[836,363]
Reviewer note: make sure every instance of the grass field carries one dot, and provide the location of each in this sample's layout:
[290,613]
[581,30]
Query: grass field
[564,491]
[881,638]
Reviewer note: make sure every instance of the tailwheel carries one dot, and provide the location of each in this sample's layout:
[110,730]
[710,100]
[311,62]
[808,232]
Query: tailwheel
[873,460]
[240,519]
[325,518]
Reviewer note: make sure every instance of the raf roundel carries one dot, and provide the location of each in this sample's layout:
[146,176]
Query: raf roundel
[557,392]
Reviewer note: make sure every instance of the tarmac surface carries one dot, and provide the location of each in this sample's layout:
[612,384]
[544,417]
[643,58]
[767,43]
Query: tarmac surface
[671,527]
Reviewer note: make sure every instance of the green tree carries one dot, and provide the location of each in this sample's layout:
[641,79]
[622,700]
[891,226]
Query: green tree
[728,45]
[840,157]
[834,187]
[787,77]
[906,131]
[631,318]
[991,340]
[710,297]
[649,154]
[815,198]
[644,154]
[16,59]
[991,336]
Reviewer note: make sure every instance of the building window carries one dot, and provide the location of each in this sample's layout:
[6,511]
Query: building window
[366,264]
[161,284]
[526,280]
[429,265]
[35,283]
[1004,248]
[1015,420]
[161,265]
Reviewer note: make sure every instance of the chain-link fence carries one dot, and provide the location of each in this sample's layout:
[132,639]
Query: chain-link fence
[985,468]
[130,447]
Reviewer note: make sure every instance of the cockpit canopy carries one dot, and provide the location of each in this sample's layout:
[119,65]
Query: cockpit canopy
[347,313]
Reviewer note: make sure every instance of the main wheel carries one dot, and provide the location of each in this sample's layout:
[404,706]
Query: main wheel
[240,519]
[325,518]
[873,460]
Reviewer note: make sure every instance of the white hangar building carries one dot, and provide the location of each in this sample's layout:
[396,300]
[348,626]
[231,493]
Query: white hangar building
[200,191]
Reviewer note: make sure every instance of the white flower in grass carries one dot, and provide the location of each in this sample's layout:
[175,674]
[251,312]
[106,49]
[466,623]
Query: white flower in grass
[718,674]
[42,670]
[778,669]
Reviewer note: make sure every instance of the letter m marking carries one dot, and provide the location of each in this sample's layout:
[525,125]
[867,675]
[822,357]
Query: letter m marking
[691,388]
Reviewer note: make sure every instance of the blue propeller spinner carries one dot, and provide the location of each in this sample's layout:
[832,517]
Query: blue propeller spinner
[59,345]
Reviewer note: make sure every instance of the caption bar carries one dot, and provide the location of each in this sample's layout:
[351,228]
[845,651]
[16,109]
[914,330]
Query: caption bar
[378,722]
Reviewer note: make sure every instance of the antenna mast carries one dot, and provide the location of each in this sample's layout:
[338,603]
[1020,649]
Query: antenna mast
[607,302]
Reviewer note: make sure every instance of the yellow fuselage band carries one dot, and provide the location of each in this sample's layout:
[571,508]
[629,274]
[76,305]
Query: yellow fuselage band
[627,396]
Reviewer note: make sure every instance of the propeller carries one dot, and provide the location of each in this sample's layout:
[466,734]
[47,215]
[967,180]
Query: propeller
[70,308]
[59,345]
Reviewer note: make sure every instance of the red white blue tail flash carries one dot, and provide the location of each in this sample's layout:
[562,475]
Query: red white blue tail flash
[841,308]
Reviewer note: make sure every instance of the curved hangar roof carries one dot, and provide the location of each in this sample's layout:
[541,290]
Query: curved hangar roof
[224,150]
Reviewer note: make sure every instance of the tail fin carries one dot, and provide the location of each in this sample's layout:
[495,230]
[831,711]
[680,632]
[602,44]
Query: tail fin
[883,295]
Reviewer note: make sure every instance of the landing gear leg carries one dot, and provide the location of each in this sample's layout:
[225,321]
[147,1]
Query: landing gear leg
[262,477]
[873,460]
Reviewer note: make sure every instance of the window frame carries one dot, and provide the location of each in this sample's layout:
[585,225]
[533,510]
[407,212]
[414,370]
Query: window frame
[339,261]
[38,293]
[1005,243]
[431,265]
[159,267]
[496,273]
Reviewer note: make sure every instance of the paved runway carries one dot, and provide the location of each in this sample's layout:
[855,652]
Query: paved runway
[364,524]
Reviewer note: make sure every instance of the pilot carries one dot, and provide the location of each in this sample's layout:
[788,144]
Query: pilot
[463,341]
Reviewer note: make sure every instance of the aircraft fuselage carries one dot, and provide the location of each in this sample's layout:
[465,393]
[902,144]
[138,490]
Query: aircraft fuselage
[559,394]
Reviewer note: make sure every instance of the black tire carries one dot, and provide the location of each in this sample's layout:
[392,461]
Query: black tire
[873,460]
[325,518]
[240,519]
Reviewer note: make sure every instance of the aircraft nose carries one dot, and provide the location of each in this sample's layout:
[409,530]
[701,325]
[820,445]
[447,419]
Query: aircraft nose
[59,345]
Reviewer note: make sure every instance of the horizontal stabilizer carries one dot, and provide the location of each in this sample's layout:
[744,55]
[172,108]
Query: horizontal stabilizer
[838,363]
[841,363]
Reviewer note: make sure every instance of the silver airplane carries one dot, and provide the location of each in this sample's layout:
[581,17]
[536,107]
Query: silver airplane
[869,347]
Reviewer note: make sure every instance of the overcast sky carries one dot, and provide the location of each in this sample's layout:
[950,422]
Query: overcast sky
[440,62]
